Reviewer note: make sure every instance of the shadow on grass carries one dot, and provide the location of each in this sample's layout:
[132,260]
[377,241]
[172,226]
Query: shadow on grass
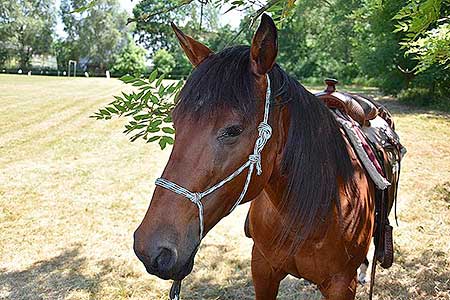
[426,276]
[51,279]
[238,283]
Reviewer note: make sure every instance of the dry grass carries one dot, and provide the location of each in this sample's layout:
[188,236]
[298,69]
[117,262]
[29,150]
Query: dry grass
[72,191]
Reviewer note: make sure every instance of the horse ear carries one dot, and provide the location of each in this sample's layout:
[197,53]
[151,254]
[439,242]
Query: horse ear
[264,47]
[195,51]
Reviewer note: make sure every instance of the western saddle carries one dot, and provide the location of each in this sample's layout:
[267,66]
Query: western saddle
[357,107]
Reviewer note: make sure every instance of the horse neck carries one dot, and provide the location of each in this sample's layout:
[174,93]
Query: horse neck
[278,183]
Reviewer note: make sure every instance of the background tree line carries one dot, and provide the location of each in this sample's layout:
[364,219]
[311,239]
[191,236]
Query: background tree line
[400,46]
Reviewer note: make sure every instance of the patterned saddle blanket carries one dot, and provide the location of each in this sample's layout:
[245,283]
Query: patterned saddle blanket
[370,129]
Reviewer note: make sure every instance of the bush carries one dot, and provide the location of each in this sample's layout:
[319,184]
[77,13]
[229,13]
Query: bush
[163,61]
[131,60]
[424,97]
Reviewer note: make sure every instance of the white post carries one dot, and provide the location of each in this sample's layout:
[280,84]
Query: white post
[74,62]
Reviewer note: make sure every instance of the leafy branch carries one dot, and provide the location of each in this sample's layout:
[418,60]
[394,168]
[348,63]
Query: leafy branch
[147,16]
[426,34]
[86,7]
[148,110]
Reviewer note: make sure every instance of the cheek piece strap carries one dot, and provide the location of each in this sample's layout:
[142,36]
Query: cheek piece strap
[254,161]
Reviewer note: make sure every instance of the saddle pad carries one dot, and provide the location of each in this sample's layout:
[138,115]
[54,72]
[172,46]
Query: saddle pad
[380,133]
[365,154]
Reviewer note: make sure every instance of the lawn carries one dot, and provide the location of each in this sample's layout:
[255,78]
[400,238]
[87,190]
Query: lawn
[73,190]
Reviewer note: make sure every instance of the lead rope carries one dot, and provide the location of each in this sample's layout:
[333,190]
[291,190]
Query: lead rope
[254,160]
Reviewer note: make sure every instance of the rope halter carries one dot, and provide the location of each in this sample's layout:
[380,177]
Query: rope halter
[254,160]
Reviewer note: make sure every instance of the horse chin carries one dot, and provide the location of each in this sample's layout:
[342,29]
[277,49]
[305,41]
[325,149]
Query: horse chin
[180,273]
[187,268]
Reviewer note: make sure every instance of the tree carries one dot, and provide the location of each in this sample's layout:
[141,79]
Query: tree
[26,28]
[153,31]
[426,25]
[377,47]
[131,60]
[163,61]
[96,35]
[153,19]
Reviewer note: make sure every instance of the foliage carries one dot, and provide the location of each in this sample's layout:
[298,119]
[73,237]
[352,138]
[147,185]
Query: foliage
[322,46]
[153,19]
[96,35]
[427,32]
[156,33]
[163,61]
[26,28]
[432,48]
[350,40]
[153,29]
[130,60]
[376,47]
[422,97]
[148,110]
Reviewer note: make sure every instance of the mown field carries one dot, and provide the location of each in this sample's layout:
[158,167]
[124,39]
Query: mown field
[73,190]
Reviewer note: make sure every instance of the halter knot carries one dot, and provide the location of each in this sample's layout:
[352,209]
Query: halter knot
[265,130]
[195,197]
[254,158]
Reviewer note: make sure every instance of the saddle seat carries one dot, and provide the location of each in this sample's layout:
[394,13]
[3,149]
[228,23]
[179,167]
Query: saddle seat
[357,107]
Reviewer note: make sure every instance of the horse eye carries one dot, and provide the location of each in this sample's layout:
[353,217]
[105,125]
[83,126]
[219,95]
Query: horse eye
[231,131]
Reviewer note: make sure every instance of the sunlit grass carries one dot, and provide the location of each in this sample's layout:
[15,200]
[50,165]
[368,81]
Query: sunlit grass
[72,191]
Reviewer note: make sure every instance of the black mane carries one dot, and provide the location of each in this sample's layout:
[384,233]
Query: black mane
[222,80]
[315,154]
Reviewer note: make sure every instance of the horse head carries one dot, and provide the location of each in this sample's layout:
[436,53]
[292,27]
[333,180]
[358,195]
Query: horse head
[217,119]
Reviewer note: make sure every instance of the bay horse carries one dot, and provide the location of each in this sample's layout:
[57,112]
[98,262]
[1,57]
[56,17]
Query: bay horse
[312,203]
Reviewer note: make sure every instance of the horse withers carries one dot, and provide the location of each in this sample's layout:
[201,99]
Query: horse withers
[247,131]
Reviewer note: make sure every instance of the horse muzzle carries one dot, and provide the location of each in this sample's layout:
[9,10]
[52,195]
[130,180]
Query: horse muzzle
[164,260]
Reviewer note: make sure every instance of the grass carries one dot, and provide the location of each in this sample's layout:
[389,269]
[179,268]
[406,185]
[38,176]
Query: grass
[72,191]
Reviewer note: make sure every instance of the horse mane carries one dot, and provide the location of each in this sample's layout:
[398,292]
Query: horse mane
[315,157]
[315,154]
[221,81]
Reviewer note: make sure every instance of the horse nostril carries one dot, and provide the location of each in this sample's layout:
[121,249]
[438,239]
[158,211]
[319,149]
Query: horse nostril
[165,260]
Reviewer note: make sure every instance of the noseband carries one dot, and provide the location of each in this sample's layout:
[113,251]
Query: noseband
[254,160]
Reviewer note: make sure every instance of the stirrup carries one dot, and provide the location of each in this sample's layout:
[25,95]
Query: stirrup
[385,255]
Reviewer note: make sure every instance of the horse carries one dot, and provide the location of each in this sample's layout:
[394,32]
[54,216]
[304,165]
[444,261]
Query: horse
[246,130]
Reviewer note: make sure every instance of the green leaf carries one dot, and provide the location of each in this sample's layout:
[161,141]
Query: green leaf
[139,82]
[162,143]
[112,110]
[154,99]
[156,123]
[168,139]
[119,107]
[153,139]
[153,76]
[84,8]
[161,91]
[161,78]
[168,130]
[127,78]
[105,112]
